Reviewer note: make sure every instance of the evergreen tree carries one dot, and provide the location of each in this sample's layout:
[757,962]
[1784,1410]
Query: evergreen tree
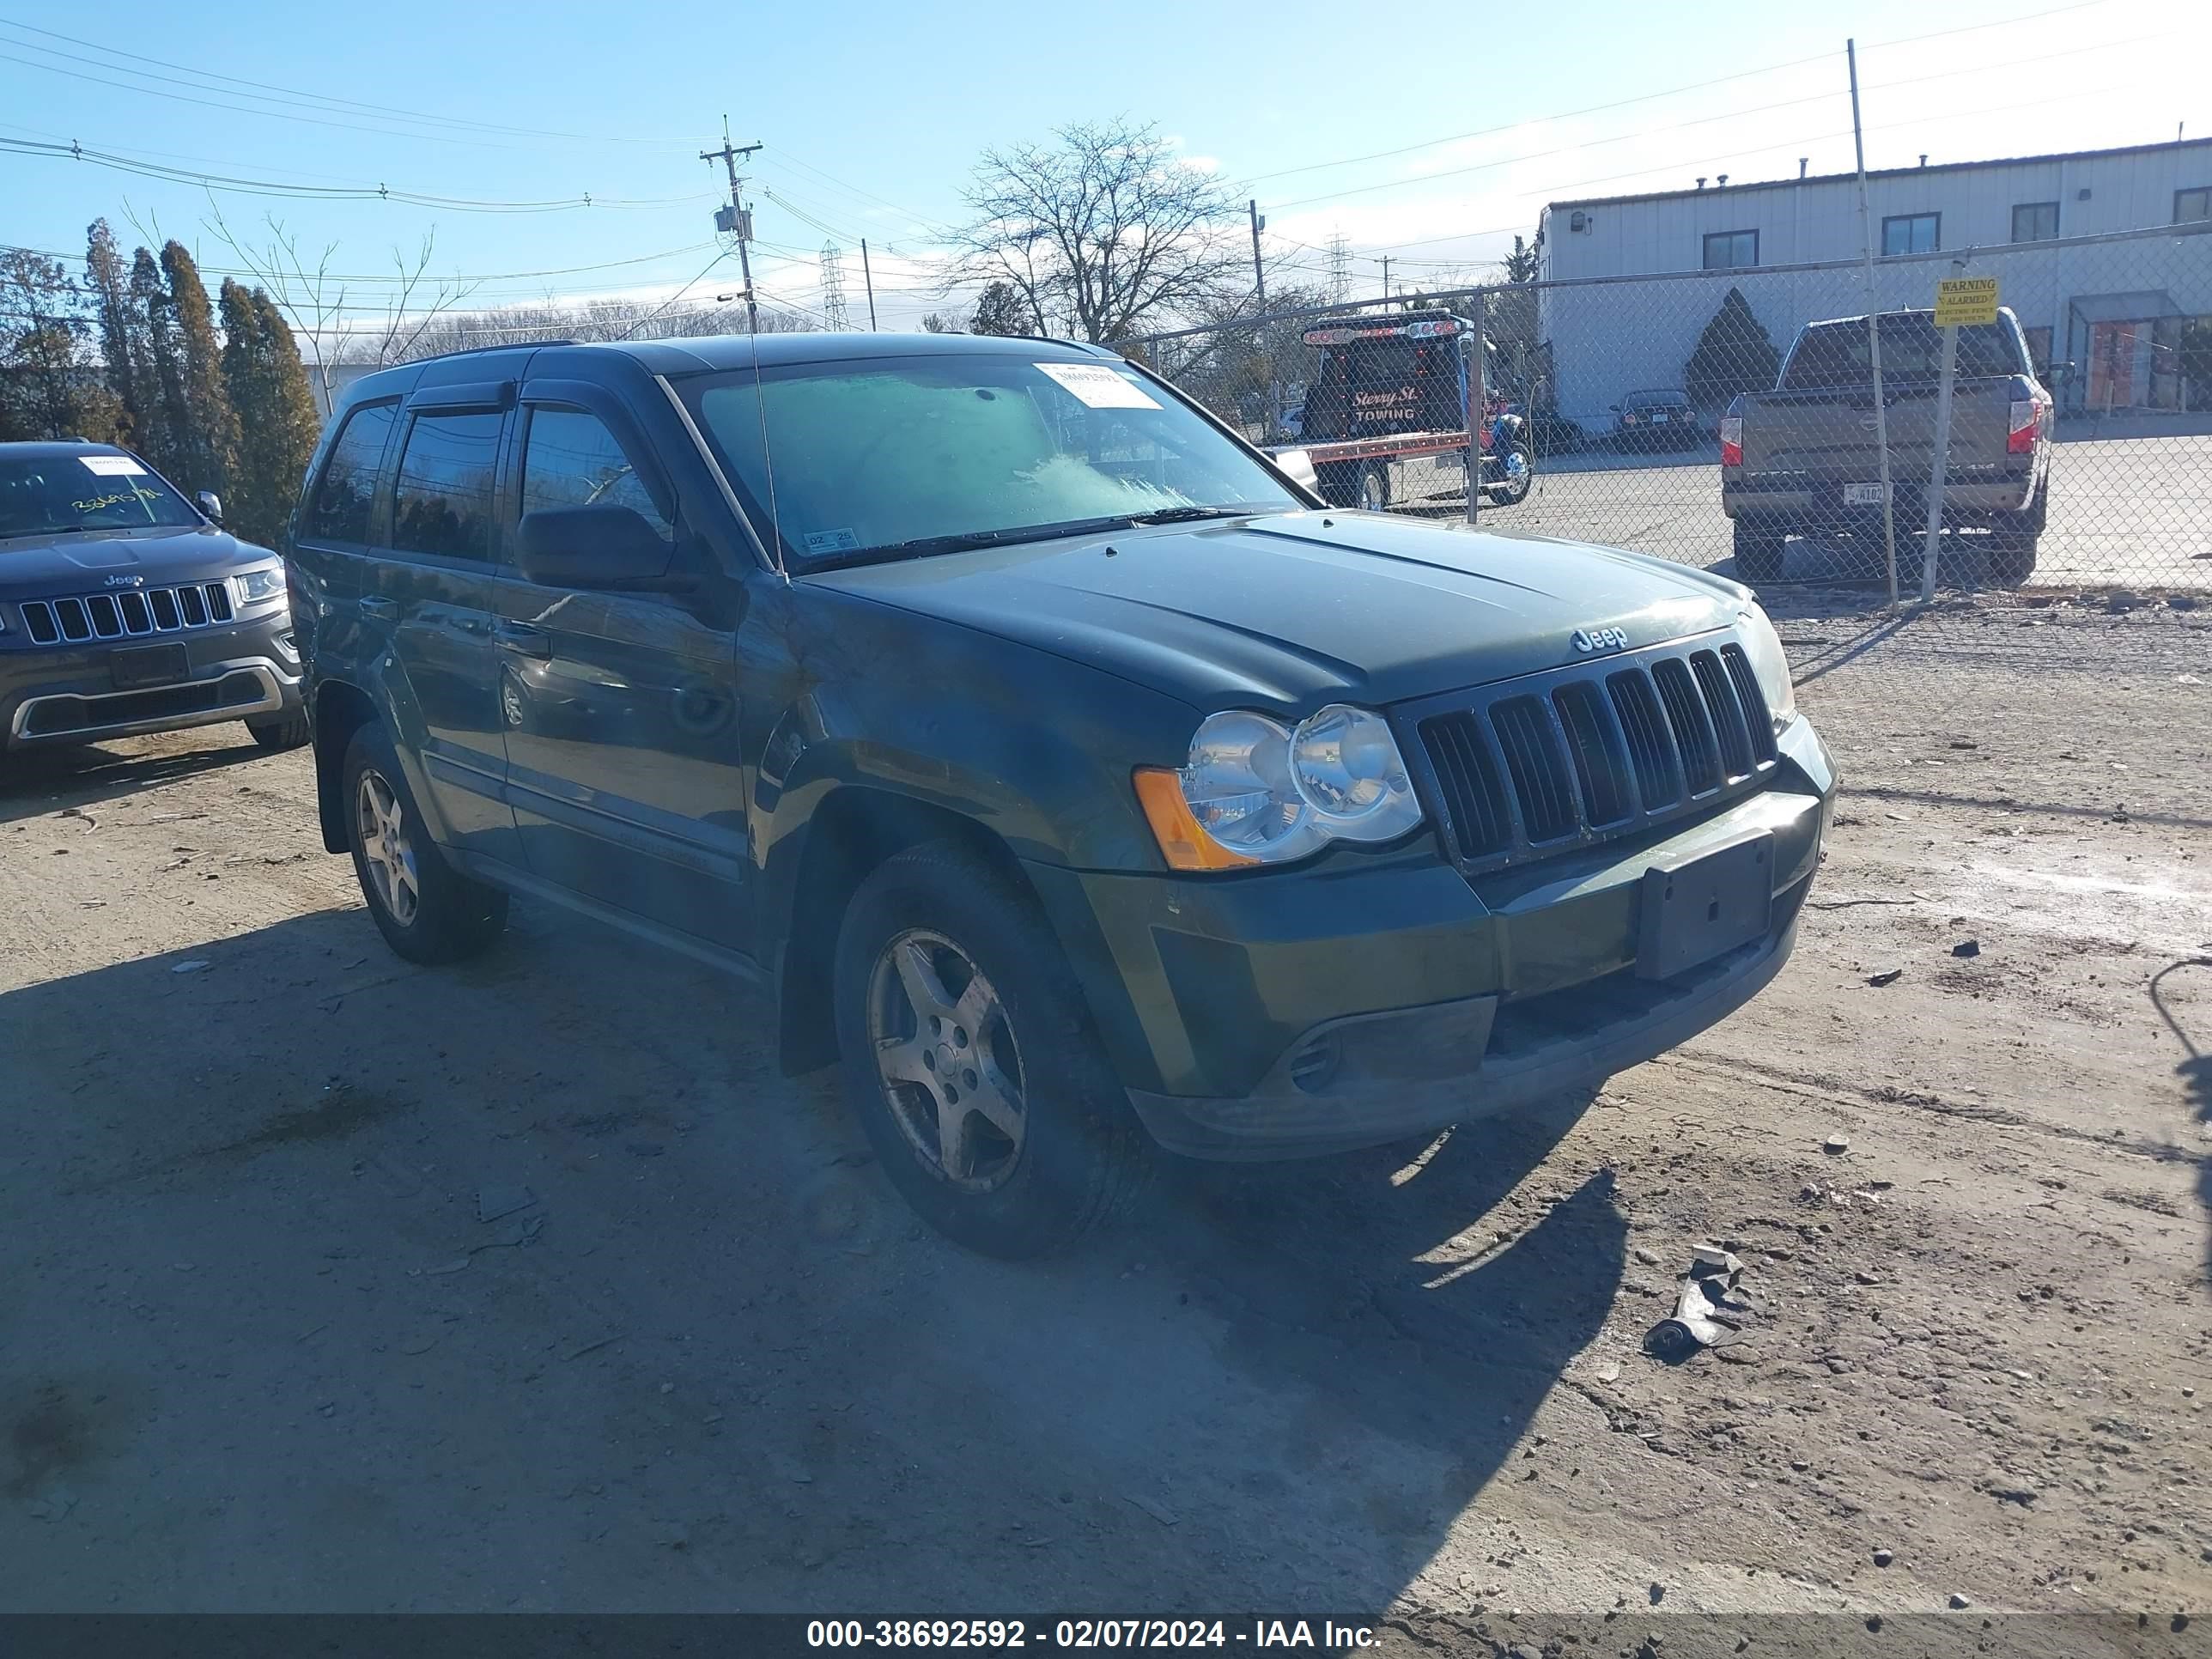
[50,384]
[267,385]
[1001,310]
[1734,354]
[125,342]
[161,412]
[207,438]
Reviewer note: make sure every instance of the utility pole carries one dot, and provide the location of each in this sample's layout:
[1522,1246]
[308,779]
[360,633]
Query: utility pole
[1259,285]
[869,277]
[1386,276]
[1874,330]
[735,219]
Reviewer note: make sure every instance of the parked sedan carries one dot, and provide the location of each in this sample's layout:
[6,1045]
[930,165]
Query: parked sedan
[1655,420]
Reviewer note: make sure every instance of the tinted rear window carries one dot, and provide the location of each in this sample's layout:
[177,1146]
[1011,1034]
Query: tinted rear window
[339,512]
[1839,355]
[442,496]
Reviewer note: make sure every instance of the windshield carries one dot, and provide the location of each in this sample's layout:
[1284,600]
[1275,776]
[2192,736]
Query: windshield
[890,458]
[53,495]
[1839,354]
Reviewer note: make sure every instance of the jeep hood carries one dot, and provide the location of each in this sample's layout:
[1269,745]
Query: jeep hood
[81,562]
[1295,609]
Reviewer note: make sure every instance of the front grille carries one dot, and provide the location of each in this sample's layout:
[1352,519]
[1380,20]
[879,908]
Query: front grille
[123,615]
[1592,755]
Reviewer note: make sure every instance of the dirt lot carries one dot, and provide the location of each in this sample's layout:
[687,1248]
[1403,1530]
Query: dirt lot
[258,1350]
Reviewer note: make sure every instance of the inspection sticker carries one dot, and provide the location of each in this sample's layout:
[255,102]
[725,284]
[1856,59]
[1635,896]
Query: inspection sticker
[112,467]
[1098,387]
[832,541]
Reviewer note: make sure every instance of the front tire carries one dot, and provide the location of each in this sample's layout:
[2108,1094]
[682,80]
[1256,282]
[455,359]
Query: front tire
[1374,488]
[427,910]
[970,1060]
[1759,554]
[285,732]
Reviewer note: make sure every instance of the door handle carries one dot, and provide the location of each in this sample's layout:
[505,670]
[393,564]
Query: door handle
[378,609]
[525,638]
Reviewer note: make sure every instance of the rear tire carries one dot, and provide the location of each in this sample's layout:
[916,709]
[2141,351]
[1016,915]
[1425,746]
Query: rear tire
[285,732]
[1374,488]
[2012,552]
[1759,554]
[1512,489]
[428,911]
[970,1060]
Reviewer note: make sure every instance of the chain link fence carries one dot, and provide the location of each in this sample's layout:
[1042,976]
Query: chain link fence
[1728,419]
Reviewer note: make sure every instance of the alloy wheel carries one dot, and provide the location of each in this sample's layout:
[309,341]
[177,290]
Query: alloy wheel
[387,850]
[946,1060]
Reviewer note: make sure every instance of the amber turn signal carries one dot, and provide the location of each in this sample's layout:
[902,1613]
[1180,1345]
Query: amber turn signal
[1183,842]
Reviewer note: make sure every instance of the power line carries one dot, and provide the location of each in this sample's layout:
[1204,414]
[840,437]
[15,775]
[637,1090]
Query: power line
[233,185]
[831,180]
[720,254]
[1650,97]
[322,100]
[389,276]
[1707,120]
[1551,191]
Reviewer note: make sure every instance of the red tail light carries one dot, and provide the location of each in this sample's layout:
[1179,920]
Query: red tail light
[1732,440]
[2026,421]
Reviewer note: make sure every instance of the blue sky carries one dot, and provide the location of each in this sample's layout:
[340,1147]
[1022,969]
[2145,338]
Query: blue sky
[875,112]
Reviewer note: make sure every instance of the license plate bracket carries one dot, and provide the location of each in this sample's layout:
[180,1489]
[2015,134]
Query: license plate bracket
[148,664]
[1863,495]
[1704,906]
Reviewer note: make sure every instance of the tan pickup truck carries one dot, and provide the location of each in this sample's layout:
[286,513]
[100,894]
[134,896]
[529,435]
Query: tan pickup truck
[1801,459]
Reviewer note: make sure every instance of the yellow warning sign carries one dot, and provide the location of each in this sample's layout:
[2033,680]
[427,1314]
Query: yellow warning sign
[1963,301]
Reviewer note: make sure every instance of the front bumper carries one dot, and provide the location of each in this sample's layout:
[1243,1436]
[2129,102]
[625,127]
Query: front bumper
[56,696]
[1361,1001]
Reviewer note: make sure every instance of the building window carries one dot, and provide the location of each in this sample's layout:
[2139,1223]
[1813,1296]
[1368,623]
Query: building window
[1912,232]
[2035,221]
[1729,249]
[2191,205]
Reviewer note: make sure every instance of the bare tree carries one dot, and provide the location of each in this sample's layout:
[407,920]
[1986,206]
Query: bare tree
[313,300]
[591,320]
[1100,233]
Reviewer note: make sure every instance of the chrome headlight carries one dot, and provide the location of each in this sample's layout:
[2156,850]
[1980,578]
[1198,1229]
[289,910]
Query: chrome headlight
[1770,663]
[1264,793]
[264,582]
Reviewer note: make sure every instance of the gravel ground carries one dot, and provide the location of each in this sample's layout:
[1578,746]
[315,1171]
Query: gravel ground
[258,1350]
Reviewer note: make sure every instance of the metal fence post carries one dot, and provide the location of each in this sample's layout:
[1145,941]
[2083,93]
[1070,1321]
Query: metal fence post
[1477,402]
[1939,471]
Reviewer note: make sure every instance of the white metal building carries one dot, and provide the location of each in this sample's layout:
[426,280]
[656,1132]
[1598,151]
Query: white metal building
[2101,254]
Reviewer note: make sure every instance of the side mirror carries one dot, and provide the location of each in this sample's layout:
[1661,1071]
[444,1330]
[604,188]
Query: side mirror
[210,504]
[2059,373]
[605,546]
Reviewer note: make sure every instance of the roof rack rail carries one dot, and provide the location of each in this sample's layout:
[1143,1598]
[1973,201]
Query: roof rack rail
[475,351]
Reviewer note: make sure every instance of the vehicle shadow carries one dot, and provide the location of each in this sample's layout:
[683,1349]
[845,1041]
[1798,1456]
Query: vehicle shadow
[743,1374]
[34,782]
[2195,1072]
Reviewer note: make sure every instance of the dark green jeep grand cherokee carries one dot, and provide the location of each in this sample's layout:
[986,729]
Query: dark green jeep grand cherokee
[1063,766]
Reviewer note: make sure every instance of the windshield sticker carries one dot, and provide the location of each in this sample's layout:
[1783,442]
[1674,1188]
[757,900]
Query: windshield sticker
[1097,386]
[832,541]
[112,466]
